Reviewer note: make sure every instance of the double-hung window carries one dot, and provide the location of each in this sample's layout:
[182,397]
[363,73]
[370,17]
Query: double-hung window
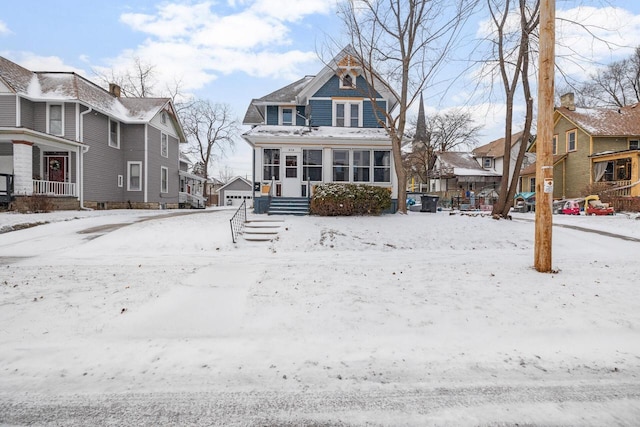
[382,166]
[555,144]
[56,124]
[361,165]
[164,145]
[340,165]
[271,164]
[114,134]
[287,116]
[486,162]
[134,176]
[164,179]
[634,144]
[312,165]
[571,140]
[347,114]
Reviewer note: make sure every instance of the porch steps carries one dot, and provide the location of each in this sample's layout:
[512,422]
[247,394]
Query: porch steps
[261,230]
[289,206]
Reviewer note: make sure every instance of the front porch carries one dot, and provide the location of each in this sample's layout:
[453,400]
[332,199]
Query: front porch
[617,174]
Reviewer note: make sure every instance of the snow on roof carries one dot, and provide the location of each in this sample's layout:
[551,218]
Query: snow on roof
[69,86]
[463,164]
[496,148]
[318,131]
[623,121]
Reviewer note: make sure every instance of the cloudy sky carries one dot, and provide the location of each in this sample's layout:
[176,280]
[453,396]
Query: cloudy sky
[233,50]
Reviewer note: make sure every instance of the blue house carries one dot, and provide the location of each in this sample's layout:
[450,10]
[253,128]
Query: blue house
[325,128]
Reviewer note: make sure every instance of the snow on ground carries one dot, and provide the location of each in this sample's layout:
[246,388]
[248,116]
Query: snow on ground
[112,302]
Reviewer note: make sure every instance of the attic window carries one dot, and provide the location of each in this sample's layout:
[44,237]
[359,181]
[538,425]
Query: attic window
[164,118]
[486,162]
[348,81]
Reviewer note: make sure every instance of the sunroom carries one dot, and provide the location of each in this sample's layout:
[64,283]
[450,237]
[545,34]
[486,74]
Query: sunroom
[617,172]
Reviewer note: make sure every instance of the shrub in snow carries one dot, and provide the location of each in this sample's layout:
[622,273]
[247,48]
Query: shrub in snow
[349,199]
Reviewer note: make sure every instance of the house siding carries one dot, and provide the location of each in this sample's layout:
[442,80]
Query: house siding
[26,113]
[578,162]
[6,149]
[369,119]
[132,147]
[7,110]
[272,115]
[102,163]
[332,88]
[155,163]
[610,144]
[40,116]
[321,111]
[70,121]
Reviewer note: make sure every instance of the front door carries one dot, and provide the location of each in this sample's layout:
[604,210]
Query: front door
[291,179]
[56,167]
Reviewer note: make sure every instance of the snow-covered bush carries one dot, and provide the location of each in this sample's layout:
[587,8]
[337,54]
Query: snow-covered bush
[349,199]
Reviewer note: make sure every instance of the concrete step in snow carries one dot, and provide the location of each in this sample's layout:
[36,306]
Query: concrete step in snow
[261,230]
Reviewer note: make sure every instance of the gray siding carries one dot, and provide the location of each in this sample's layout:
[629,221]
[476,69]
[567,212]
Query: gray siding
[300,118]
[156,162]
[7,110]
[70,121]
[132,147]
[102,164]
[35,158]
[6,149]
[26,113]
[40,116]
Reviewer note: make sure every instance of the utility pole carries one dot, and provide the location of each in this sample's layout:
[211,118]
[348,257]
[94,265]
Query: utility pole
[544,144]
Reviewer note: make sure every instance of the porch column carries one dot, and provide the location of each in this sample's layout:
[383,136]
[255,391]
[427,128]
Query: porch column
[23,167]
[635,176]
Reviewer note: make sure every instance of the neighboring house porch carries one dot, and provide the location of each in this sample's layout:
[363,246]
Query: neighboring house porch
[617,174]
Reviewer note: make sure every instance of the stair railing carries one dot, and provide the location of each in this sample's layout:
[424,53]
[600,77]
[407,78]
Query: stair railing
[238,221]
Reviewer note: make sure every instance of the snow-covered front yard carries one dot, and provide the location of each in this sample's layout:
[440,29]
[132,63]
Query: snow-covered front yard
[101,302]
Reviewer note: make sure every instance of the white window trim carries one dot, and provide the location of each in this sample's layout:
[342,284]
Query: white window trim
[163,170]
[347,112]
[117,134]
[353,80]
[575,132]
[484,162]
[164,138]
[48,118]
[129,164]
[348,165]
[281,115]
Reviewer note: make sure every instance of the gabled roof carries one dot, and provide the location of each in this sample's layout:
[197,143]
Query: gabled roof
[69,86]
[287,95]
[623,121]
[463,164]
[298,92]
[248,183]
[495,148]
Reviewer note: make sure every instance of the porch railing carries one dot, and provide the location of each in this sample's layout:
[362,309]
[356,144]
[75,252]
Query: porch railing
[238,220]
[194,200]
[614,188]
[54,188]
[6,187]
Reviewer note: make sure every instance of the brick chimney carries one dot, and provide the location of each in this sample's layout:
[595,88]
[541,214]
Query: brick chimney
[568,101]
[114,90]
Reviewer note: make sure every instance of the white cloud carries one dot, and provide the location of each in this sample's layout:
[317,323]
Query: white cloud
[4,29]
[34,62]
[196,42]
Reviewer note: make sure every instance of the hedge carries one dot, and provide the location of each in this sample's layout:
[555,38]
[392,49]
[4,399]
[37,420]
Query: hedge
[349,199]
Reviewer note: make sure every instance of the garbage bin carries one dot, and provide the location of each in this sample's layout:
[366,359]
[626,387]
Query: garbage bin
[429,203]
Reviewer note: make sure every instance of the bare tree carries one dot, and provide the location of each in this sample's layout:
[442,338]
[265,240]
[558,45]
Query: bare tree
[447,131]
[616,85]
[226,174]
[512,50]
[210,130]
[404,42]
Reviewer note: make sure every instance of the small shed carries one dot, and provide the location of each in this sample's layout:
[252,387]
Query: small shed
[234,192]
